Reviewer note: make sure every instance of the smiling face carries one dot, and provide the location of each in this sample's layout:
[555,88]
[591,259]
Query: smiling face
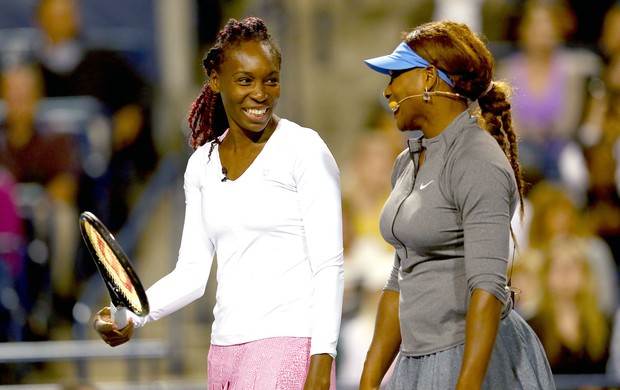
[249,83]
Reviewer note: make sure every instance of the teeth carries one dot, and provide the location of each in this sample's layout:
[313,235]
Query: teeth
[256,112]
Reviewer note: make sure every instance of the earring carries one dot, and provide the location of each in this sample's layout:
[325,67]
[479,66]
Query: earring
[426,95]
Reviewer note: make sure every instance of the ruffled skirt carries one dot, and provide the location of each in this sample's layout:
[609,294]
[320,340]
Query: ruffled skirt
[518,362]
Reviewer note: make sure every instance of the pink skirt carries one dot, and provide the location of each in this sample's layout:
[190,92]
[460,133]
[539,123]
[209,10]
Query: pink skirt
[279,363]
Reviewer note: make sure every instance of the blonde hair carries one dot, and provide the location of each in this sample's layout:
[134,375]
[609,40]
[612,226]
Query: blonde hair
[593,323]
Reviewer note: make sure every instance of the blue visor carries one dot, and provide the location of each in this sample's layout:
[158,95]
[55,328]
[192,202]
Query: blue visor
[402,58]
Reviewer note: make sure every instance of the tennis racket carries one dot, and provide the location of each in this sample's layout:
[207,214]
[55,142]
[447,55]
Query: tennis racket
[121,281]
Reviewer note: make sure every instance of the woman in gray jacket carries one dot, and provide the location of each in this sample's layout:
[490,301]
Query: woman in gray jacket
[446,309]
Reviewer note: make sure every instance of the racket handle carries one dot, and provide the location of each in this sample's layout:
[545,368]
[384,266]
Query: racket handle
[119,316]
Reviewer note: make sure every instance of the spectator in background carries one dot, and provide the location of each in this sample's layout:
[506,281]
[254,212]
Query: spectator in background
[368,258]
[12,264]
[72,68]
[549,84]
[599,134]
[35,152]
[357,331]
[603,91]
[368,183]
[570,323]
[525,281]
[603,203]
[608,42]
[366,188]
[12,256]
[555,216]
[11,229]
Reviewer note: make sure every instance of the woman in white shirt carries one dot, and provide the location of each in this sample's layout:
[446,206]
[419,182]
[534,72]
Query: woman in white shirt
[264,194]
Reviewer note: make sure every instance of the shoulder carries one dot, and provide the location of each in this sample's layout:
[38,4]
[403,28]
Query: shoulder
[476,155]
[198,158]
[298,138]
[198,164]
[304,148]
[401,161]
[475,144]
[399,165]
[293,131]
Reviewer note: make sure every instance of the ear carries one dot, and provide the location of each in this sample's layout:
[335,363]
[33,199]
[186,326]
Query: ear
[430,76]
[214,81]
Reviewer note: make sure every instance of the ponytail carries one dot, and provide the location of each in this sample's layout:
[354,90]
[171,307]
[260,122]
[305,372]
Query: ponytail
[495,118]
[207,118]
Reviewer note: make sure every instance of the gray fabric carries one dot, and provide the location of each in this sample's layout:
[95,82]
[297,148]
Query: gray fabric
[449,224]
[518,362]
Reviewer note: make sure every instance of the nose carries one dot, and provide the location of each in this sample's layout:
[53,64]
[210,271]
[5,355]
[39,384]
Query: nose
[258,93]
[387,92]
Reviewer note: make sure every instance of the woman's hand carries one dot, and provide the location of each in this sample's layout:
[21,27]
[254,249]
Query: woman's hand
[319,373]
[108,331]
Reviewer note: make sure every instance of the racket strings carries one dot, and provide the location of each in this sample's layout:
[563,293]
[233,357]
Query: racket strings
[117,276]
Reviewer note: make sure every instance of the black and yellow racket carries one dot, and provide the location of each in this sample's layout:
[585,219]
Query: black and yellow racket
[122,282]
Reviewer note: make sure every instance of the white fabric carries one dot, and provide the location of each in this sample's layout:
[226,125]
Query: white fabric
[277,231]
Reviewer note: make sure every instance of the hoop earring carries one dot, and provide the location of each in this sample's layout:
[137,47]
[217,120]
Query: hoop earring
[426,95]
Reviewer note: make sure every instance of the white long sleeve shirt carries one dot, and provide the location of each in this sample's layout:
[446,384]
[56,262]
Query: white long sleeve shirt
[277,232]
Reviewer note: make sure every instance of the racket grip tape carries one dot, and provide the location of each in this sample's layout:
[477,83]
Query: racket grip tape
[119,316]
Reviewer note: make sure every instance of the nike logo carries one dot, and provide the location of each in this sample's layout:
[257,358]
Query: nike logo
[424,185]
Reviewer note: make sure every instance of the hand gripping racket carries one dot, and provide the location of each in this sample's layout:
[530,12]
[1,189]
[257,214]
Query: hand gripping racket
[120,279]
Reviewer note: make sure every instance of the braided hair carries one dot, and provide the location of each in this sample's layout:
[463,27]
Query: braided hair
[207,117]
[464,57]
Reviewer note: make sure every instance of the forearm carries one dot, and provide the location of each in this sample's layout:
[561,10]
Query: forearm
[385,342]
[319,374]
[328,285]
[481,327]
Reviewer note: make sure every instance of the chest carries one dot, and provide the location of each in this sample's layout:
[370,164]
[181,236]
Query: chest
[420,213]
[236,163]
[263,198]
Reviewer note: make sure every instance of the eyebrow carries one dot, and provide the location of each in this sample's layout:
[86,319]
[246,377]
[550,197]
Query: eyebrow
[247,73]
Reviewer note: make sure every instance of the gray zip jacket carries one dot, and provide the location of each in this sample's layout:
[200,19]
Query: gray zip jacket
[449,222]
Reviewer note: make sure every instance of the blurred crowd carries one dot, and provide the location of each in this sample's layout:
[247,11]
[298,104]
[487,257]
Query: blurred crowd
[76,134]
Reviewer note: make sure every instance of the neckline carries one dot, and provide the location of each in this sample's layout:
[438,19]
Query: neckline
[450,132]
[256,160]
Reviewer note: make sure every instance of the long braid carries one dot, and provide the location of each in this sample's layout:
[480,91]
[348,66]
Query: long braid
[201,117]
[207,117]
[496,118]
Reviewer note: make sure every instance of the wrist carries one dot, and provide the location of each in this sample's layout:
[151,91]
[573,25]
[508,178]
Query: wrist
[367,383]
[468,383]
[370,379]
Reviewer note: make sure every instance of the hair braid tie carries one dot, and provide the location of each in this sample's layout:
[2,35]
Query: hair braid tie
[489,88]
